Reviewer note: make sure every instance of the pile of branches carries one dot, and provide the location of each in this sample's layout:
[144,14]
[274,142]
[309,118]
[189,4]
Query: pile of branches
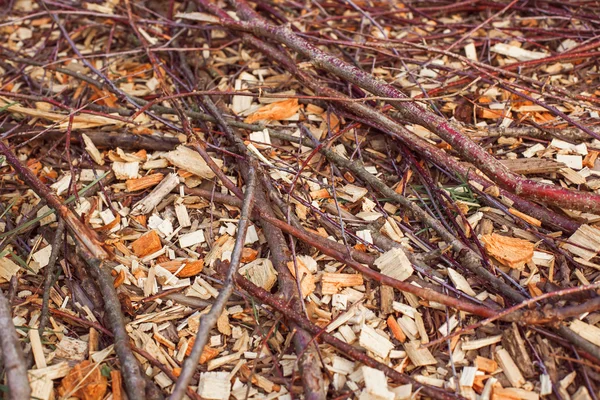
[422,134]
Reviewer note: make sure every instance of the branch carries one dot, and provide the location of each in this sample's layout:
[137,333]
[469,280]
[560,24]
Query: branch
[12,355]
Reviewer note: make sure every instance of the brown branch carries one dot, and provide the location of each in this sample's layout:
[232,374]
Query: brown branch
[12,355]
[50,272]
[132,375]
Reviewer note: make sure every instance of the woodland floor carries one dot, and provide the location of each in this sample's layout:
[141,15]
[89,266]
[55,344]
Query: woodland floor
[300,199]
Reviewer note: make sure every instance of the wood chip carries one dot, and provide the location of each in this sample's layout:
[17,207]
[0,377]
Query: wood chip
[374,342]
[395,264]
[260,272]
[589,332]
[145,182]
[189,160]
[147,244]
[331,283]
[511,252]
[214,385]
[419,356]
[510,369]
[306,279]
[148,203]
[460,282]
[586,242]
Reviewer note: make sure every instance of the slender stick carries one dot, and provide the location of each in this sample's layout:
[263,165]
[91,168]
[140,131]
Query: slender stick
[12,355]
[50,273]
[130,369]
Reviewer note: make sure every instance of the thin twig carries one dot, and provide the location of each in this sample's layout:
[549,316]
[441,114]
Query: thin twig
[50,273]
[12,355]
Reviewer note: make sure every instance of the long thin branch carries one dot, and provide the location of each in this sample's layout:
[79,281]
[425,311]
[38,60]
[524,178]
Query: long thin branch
[208,321]
[50,273]
[134,382]
[12,355]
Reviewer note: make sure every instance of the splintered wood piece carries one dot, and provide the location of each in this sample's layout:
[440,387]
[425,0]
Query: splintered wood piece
[42,386]
[189,160]
[528,166]
[147,204]
[525,217]
[182,216]
[467,377]
[275,111]
[386,299]
[460,282]
[588,237]
[479,343]
[260,272]
[214,385]
[500,393]
[306,279]
[581,394]
[396,329]
[485,364]
[126,170]
[8,268]
[190,267]
[92,150]
[514,343]
[589,332]
[143,182]
[84,381]
[419,356]
[511,252]
[510,369]
[146,244]
[191,238]
[395,264]
[376,386]
[116,384]
[374,342]
[259,380]
[331,283]
[37,349]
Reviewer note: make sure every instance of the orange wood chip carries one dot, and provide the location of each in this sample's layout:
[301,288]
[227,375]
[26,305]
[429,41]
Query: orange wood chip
[144,182]
[146,244]
[275,111]
[511,252]
[485,364]
[395,328]
[84,381]
[307,280]
[192,267]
